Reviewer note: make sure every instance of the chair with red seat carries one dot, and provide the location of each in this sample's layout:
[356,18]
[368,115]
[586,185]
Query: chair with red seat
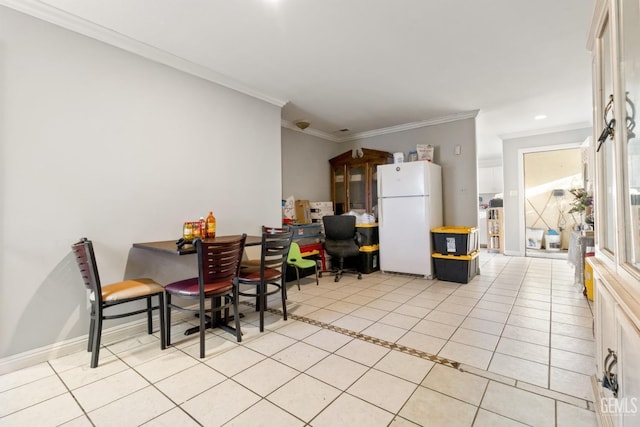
[269,276]
[103,297]
[218,266]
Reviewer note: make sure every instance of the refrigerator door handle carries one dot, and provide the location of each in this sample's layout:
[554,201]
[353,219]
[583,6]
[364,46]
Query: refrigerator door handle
[380,210]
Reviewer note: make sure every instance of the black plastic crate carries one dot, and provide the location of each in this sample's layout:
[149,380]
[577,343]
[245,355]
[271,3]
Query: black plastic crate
[452,268]
[455,240]
[368,234]
[369,261]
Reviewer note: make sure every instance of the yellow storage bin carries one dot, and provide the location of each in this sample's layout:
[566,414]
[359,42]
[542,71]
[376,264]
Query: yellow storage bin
[588,280]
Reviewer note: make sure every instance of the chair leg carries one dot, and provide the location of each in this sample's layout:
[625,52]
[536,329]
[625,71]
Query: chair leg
[202,325]
[149,315]
[297,276]
[317,280]
[168,319]
[340,268]
[236,314]
[95,345]
[163,329]
[283,291]
[262,295]
[92,327]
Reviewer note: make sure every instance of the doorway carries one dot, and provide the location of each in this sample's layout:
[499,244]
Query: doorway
[548,178]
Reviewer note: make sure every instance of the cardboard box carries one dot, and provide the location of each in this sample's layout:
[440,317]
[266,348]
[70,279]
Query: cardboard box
[323,206]
[303,212]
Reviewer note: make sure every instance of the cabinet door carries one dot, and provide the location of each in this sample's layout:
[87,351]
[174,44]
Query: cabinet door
[373,186]
[339,190]
[627,406]
[357,193]
[606,331]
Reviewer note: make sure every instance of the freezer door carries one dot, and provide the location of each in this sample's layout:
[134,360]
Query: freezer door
[403,179]
[405,235]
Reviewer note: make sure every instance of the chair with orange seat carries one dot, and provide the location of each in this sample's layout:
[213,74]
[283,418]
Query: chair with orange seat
[104,297]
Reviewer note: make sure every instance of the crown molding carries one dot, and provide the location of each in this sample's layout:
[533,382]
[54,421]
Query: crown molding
[413,125]
[76,24]
[557,129]
[382,131]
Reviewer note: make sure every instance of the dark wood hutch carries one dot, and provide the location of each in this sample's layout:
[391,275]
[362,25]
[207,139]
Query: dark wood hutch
[354,184]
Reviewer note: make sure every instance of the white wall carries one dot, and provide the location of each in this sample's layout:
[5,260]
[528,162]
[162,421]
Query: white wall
[513,150]
[101,143]
[305,166]
[459,172]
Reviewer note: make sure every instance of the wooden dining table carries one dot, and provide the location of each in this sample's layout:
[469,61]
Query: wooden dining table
[171,246]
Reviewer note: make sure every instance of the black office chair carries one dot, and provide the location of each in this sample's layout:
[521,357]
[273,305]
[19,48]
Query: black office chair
[341,241]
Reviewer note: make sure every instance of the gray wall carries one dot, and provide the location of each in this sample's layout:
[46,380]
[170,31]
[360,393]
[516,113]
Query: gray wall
[101,143]
[459,172]
[512,150]
[305,166]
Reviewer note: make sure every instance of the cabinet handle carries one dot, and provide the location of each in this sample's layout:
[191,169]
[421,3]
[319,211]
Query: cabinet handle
[610,380]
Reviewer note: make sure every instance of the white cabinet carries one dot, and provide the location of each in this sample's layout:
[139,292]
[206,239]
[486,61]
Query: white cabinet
[490,180]
[617,377]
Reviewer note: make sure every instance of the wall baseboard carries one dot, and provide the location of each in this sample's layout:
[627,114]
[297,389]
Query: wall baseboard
[73,345]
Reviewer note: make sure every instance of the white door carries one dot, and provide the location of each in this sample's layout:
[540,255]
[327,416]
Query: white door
[405,237]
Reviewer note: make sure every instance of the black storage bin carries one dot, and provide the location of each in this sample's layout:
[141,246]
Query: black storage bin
[459,269]
[369,261]
[455,240]
[368,234]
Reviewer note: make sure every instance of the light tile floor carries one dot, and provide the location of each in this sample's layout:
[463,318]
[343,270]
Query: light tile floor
[521,331]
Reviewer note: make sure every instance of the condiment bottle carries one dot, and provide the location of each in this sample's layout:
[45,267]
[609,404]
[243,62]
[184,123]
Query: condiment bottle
[211,225]
[203,227]
[187,231]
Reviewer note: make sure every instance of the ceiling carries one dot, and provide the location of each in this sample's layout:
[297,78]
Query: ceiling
[369,66]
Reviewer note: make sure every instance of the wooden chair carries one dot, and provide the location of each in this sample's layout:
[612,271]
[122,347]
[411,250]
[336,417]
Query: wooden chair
[269,277]
[218,266]
[104,297]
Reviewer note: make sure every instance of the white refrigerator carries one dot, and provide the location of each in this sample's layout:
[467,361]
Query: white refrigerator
[409,206]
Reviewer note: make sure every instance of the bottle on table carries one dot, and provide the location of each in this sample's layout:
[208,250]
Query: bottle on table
[187,231]
[211,225]
[202,225]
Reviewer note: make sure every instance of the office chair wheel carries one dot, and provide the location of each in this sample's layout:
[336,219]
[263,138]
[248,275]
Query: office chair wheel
[336,279]
[359,276]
